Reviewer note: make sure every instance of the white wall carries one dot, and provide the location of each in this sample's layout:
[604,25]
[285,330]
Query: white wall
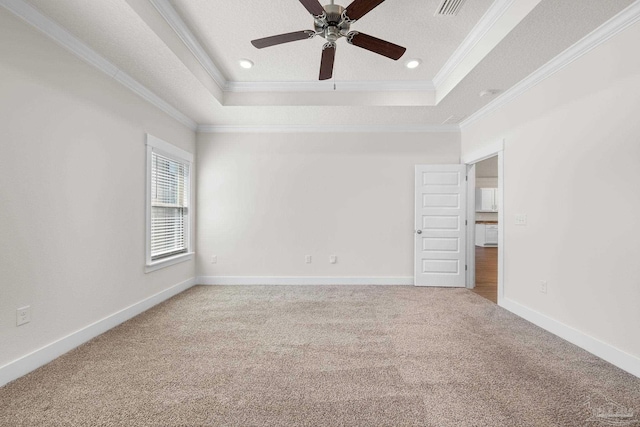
[267,200]
[72,192]
[486,182]
[572,164]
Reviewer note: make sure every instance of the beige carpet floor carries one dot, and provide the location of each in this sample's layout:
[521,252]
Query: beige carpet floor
[324,356]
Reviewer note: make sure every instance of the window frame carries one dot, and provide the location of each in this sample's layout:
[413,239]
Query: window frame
[154,144]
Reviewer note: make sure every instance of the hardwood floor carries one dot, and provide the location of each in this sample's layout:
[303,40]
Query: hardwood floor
[487,273]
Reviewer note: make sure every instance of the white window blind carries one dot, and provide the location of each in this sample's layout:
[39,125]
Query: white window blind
[169,206]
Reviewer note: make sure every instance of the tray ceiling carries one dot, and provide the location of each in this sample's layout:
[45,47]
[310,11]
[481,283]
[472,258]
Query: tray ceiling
[186,52]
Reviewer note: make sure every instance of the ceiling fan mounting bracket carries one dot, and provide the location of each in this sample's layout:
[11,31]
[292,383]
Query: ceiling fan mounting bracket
[331,25]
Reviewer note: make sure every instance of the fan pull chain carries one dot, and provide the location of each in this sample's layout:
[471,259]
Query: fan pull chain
[334,76]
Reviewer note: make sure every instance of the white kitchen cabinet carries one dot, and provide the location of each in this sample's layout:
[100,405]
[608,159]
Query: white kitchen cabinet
[486,234]
[487,200]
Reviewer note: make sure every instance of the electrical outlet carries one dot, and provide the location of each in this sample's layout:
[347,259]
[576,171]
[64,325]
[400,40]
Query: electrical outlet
[214,259]
[333,259]
[23,315]
[521,219]
[543,286]
[307,259]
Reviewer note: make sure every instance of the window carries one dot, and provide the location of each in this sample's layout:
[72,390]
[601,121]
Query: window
[168,198]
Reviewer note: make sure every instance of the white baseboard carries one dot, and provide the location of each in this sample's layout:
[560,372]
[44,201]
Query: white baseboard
[303,280]
[32,361]
[611,354]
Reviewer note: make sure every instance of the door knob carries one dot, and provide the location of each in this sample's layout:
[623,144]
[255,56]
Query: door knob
[419,231]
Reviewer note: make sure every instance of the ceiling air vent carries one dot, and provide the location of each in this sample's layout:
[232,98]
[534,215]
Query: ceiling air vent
[449,7]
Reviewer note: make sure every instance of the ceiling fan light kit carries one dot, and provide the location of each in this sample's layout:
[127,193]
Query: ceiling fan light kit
[332,22]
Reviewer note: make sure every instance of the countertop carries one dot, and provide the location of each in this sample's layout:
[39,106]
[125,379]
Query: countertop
[486,222]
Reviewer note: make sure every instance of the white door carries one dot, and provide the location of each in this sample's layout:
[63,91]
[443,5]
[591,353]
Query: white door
[440,234]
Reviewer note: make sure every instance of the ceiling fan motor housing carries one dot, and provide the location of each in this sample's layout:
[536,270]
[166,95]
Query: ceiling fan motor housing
[332,26]
[332,22]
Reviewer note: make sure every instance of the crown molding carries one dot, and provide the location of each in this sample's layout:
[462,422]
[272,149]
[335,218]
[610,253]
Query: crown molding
[613,26]
[174,20]
[61,36]
[139,89]
[67,40]
[488,20]
[168,12]
[328,86]
[330,129]
[70,42]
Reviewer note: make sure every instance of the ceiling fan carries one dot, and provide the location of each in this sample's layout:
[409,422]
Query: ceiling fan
[333,21]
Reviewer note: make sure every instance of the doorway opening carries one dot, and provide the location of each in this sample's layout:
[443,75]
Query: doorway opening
[487,205]
[485,228]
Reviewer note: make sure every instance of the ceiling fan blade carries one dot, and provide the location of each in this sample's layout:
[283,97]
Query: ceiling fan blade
[381,47]
[326,64]
[358,8]
[313,6]
[283,38]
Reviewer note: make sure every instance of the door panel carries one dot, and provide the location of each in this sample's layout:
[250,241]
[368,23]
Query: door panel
[440,237]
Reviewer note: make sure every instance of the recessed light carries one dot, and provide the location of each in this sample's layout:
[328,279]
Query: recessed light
[412,63]
[245,63]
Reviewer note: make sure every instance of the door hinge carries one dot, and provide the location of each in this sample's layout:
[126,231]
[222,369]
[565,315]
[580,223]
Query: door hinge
[466,268]
[466,178]
[465,222]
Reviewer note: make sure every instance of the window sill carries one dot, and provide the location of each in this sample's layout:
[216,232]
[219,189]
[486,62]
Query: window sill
[157,265]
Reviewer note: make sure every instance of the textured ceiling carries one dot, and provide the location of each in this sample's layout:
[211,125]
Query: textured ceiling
[114,30]
[549,29]
[147,51]
[226,28]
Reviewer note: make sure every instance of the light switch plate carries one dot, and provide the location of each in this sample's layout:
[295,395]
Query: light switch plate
[333,259]
[543,286]
[521,219]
